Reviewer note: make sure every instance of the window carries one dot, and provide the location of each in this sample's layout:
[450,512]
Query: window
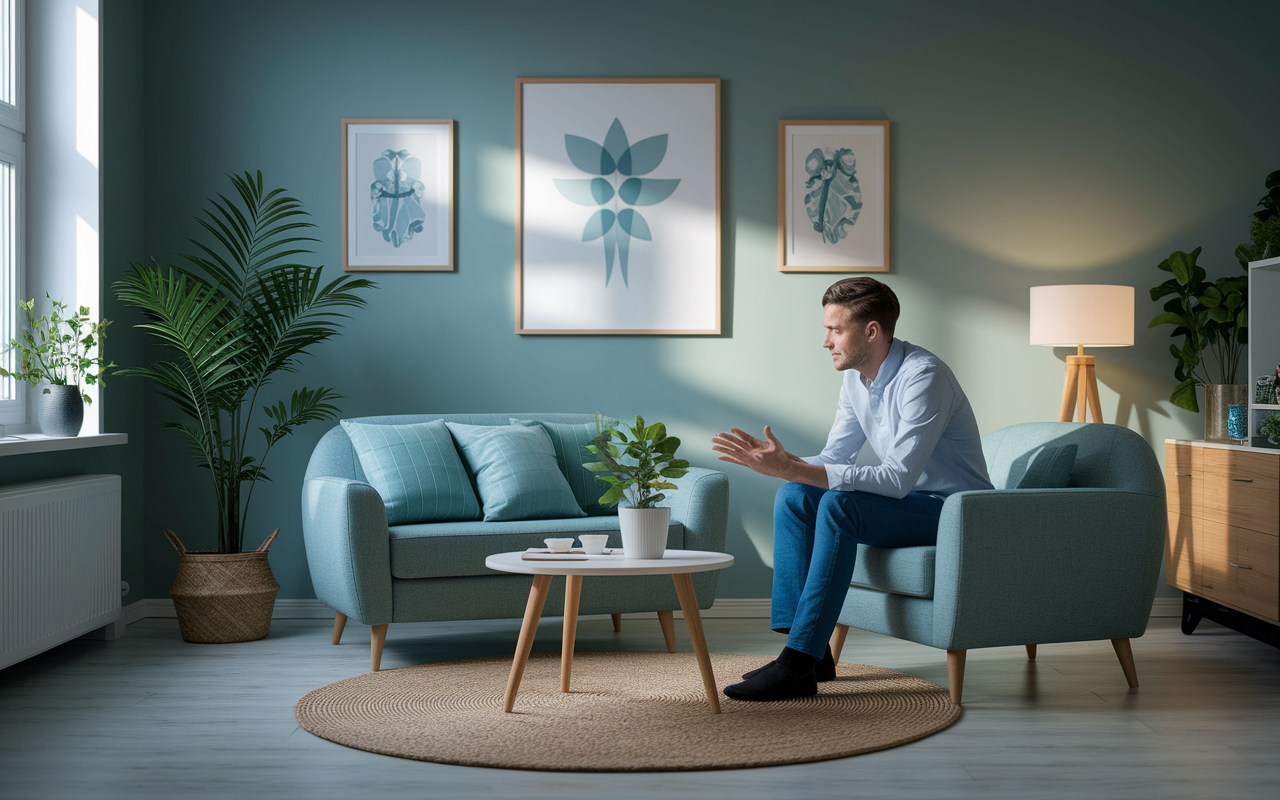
[12,199]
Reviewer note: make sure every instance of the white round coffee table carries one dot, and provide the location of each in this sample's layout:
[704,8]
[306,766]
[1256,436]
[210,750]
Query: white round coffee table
[679,564]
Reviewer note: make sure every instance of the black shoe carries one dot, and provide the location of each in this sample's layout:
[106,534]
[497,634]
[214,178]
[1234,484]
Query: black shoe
[823,671]
[775,682]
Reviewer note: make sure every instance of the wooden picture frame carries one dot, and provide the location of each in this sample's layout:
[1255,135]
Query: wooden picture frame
[833,195]
[397,195]
[618,206]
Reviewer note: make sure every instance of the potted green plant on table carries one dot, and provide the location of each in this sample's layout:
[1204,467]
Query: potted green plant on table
[59,348]
[643,523]
[232,319]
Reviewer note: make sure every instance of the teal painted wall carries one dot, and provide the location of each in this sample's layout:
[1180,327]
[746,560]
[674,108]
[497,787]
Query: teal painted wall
[1031,145]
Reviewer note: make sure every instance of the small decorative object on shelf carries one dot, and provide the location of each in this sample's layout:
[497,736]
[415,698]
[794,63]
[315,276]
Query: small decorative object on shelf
[1238,422]
[1264,392]
[1270,429]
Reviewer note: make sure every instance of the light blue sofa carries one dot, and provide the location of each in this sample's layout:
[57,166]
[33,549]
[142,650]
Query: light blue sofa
[1027,566]
[376,574]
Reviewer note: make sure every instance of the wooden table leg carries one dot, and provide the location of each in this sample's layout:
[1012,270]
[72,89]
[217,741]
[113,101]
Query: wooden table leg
[532,611]
[693,620]
[572,592]
[667,619]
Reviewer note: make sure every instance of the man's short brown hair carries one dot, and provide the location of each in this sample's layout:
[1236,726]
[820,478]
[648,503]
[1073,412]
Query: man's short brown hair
[867,299]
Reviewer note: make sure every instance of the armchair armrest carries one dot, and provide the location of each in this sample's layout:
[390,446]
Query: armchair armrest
[702,505]
[1035,566]
[344,525]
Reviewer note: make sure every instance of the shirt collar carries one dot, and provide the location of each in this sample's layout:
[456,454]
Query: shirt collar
[889,367]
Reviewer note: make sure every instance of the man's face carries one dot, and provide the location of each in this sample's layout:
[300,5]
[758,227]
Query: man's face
[845,339]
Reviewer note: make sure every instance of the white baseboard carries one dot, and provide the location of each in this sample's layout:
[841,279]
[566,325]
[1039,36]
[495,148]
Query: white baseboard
[723,608]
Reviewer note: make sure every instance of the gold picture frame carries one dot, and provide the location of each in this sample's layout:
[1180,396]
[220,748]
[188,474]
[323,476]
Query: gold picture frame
[833,206]
[409,227]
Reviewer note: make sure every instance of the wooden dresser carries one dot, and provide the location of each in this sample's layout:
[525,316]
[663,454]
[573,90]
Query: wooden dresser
[1223,543]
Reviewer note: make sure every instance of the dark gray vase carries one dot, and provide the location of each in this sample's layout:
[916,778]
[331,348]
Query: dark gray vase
[61,410]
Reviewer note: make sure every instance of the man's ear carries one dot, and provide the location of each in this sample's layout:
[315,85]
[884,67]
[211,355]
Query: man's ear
[873,331]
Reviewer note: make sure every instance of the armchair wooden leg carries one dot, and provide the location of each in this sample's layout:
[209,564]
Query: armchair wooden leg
[376,641]
[667,620]
[617,623]
[837,640]
[339,622]
[955,673]
[1125,653]
[1031,652]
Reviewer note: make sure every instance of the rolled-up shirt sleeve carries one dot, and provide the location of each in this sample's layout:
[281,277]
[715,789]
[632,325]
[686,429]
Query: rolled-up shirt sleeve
[843,443]
[923,413]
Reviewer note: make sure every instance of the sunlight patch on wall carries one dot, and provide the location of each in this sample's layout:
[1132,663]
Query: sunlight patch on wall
[87,85]
[496,166]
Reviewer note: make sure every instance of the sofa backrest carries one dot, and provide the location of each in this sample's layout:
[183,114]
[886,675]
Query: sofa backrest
[335,456]
[1109,456]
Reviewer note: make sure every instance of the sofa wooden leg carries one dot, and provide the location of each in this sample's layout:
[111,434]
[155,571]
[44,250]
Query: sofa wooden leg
[955,673]
[1125,653]
[837,640]
[376,641]
[1031,652]
[617,622]
[667,619]
[339,622]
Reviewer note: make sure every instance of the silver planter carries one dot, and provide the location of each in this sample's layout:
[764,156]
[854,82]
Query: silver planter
[1217,397]
[61,410]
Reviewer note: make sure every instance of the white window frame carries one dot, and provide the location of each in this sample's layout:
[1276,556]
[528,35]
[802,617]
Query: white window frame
[13,151]
[14,115]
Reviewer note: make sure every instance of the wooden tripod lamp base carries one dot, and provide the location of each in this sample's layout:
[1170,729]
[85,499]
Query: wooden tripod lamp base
[1081,389]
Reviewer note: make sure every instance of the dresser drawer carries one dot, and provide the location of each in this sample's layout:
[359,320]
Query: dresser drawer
[1180,552]
[1183,479]
[1241,489]
[1238,567]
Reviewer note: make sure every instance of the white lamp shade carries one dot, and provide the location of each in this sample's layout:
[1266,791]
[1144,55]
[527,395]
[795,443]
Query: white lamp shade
[1092,315]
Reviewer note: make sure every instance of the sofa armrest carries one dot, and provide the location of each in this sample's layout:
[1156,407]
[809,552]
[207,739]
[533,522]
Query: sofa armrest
[1035,566]
[344,525]
[701,504]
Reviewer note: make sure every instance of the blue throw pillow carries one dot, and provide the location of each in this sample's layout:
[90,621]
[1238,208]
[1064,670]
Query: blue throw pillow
[416,470]
[568,439]
[1050,468]
[515,471]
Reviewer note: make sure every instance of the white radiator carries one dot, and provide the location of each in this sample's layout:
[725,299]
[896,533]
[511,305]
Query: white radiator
[59,562]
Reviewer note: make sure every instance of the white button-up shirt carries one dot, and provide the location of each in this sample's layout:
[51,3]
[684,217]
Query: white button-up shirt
[918,421]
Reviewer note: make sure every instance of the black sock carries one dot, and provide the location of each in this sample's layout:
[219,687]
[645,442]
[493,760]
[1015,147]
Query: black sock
[824,669]
[796,662]
[787,678]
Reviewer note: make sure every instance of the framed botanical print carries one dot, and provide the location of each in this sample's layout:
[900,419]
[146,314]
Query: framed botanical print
[833,196]
[617,206]
[397,195]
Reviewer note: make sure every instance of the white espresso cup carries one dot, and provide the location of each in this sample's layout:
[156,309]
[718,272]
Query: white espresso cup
[559,545]
[594,543]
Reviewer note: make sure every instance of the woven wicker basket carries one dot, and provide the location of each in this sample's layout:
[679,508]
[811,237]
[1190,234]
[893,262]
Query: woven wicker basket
[223,597]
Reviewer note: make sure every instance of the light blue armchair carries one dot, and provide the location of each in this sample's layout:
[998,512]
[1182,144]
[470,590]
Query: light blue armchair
[1027,566]
[378,574]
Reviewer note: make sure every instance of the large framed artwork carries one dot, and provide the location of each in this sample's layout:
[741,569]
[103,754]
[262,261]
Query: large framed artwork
[397,195]
[833,196]
[617,206]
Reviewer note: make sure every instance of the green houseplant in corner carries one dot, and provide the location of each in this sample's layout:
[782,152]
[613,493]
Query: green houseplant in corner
[231,320]
[642,522]
[58,348]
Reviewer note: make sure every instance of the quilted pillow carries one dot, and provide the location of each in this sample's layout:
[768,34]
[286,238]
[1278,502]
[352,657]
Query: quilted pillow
[515,471]
[1050,468]
[416,470]
[568,439]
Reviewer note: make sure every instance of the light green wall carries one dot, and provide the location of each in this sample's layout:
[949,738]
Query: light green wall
[1054,143]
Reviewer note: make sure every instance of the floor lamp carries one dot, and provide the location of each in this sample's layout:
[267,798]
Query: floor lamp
[1079,316]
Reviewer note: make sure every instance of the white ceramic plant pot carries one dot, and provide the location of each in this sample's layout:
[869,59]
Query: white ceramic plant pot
[644,531]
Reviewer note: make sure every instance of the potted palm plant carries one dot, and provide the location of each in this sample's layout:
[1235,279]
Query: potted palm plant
[643,523]
[231,319]
[59,348]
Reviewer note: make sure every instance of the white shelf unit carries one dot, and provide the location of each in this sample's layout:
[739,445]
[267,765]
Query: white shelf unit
[1264,339]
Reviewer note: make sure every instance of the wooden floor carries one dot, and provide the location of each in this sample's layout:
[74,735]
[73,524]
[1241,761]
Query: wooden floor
[148,716]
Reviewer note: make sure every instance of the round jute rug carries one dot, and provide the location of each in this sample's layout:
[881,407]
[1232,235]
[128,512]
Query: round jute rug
[626,712]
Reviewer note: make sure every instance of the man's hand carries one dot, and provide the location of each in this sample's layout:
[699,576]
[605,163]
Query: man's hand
[767,457]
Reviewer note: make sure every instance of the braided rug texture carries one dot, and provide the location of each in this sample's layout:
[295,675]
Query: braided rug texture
[625,712]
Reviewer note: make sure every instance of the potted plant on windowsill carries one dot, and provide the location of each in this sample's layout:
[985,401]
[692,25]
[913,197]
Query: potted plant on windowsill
[642,522]
[232,319]
[58,348]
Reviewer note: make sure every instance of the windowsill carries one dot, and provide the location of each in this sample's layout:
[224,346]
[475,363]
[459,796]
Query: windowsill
[23,443]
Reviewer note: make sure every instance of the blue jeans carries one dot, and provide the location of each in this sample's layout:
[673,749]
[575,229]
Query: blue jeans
[816,533]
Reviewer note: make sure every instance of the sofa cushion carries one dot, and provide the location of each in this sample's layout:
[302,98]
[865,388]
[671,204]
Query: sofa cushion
[897,570]
[515,472]
[455,549]
[1050,468]
[569,439]
[416,470]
